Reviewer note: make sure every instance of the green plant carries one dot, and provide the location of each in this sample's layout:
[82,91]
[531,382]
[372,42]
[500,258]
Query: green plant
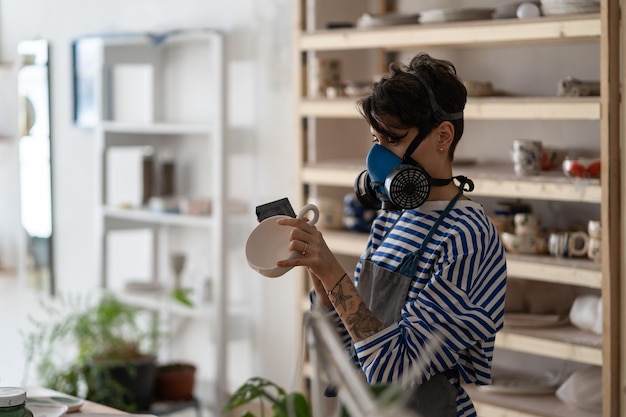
[182,295]
[294,404]
[283,404]
[76,338]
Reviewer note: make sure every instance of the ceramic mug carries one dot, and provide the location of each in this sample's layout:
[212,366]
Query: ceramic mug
[526,155]
[594,228]
[526,224]
[570,244]
[594,249]
[269,243]
[577,244]
[557,244]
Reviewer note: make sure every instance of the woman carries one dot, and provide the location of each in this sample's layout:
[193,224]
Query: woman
[428,292]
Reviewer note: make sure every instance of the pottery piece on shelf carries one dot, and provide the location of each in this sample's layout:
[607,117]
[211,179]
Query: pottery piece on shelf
[582,167]
[455,14]
[573,87]
[525,244]
[368,20]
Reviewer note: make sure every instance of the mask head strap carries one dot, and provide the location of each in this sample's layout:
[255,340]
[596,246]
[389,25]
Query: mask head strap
[439,115]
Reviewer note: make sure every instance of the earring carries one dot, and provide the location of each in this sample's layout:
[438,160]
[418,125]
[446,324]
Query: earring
[440,149]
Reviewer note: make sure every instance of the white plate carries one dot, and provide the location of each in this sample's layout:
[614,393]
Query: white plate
[41,410]
[534,320]
[389,19]
[569,9]
[521,384]
[72,403]
[455,15]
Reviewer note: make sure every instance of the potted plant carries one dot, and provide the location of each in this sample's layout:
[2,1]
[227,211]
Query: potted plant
[293,404]
[175,382]
[102,351]
[283,404]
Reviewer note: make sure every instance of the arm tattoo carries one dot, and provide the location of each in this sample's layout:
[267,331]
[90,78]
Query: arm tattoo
[339,297]
[363,323]
[359,320]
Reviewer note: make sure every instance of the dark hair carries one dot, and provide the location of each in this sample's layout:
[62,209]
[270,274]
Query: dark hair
[402,97]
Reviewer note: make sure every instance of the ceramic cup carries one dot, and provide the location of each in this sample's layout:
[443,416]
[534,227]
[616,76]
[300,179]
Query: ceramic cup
[557,244]
[526,224]
[594,228]
[526,155]
[572,244]
[577,244]
[551,158]
[594,249]
[269,242]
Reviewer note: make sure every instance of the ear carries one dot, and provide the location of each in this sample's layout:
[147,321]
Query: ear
[445,134]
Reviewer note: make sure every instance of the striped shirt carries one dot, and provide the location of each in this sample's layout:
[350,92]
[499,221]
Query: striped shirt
[455,304]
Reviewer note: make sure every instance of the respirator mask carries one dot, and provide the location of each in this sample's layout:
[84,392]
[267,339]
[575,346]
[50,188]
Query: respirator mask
[394,183]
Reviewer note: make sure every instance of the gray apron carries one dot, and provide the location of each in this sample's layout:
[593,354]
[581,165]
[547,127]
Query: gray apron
[385,293]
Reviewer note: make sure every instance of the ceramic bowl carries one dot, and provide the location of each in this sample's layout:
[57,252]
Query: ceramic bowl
[583,167]
[525,244]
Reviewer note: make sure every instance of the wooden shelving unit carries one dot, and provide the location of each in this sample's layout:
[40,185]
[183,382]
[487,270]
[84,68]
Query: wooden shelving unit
[496,180]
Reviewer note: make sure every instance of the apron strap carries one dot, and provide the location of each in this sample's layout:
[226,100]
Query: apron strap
[409,263]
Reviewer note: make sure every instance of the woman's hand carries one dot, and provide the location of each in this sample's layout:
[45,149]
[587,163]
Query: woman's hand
[313,253]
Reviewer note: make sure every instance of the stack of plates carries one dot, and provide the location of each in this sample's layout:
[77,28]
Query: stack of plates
[535,320]
[368,20]
[514,382]
[455,15]
[560,7]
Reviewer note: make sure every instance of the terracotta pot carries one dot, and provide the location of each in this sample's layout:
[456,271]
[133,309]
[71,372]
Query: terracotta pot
[175,382]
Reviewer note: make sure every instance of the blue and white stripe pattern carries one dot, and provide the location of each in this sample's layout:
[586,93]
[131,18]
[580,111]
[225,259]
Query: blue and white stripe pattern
[455,304]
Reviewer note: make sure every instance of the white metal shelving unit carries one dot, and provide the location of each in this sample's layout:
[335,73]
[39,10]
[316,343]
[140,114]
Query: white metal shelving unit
[188,118]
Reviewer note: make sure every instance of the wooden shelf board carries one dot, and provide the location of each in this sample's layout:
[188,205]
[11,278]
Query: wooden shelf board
[580,272]
[150,217]
[509,405]
[566,342]
[483,108]
[573,28]
[490,179]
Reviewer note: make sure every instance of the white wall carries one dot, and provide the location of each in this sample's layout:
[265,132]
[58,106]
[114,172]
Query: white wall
[259,130]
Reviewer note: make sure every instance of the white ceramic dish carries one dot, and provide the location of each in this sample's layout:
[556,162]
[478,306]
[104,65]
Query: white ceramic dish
[47,410]
[534,320]
[561,7]
[455,15]
[525,244]
[72,403]
[368,20]
[521,384]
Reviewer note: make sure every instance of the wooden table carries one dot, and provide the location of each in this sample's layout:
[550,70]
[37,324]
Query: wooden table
[88,407]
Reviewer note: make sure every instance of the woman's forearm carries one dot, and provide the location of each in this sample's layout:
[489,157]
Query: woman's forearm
[359,320]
